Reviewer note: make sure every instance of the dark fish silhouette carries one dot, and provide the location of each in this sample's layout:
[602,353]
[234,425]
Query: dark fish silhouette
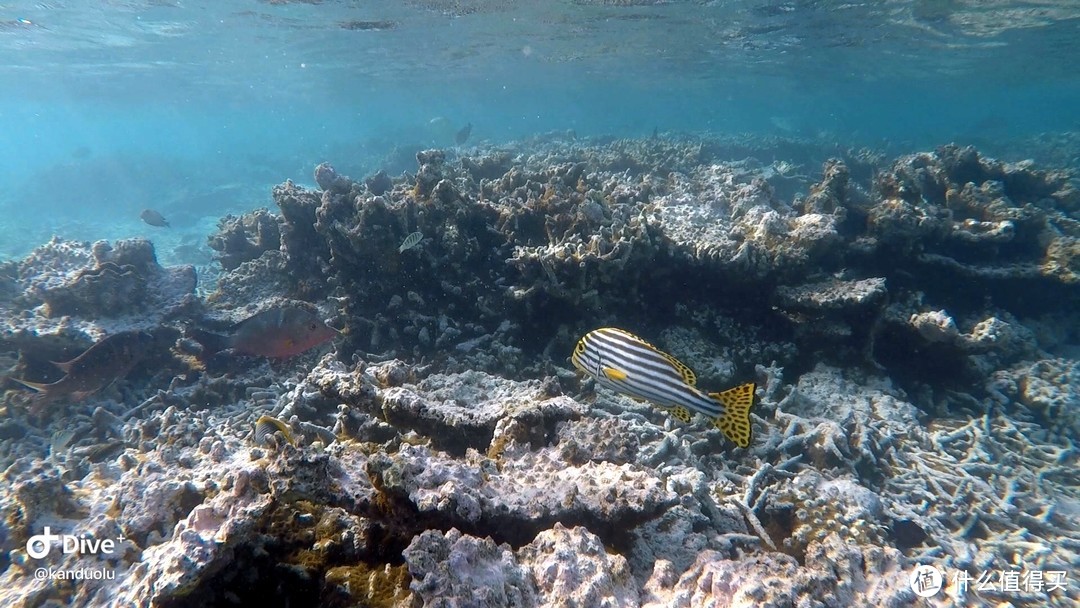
[462,136]
[154,218]
[278,332]
[97,367]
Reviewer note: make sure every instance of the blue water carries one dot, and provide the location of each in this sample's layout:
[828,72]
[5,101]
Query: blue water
[196,108]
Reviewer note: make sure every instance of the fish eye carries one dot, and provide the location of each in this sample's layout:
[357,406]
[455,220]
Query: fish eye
[313,326]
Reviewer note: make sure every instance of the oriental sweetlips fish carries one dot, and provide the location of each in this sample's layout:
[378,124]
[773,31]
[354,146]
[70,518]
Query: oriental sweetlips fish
[278,332]
[99,366]
[625,363]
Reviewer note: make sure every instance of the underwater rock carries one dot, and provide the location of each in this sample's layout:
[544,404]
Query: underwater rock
[379,183]
[328,179]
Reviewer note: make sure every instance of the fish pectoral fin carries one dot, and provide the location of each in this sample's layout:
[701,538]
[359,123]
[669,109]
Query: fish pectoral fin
[613,374]
[734,423]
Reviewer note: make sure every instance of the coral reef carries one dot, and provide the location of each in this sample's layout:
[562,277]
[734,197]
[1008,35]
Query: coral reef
[912,329]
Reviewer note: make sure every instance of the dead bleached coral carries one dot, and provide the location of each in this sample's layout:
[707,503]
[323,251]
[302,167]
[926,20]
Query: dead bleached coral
[965,210]
[968,494]
[453,569]
[597,439]
[526,494]
[1051,389]
[560,567]
[572,567]
[429,468]
[468,406]
[835,314]
[835,574]
[244,238]
[935,326]
[101,280]
[837,506]
[729,219]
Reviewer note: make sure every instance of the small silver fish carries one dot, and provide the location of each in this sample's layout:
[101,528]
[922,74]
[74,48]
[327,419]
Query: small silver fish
[411,241]
[59,442]
[266,426]
[625,363]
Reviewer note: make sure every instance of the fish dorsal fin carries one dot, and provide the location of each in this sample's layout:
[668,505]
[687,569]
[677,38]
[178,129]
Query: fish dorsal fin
[64,366]
[684,370]
[735,421]
[613,374]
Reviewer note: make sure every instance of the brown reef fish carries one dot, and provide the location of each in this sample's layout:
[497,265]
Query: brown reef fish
[279,332]
[105,362]
[154,218]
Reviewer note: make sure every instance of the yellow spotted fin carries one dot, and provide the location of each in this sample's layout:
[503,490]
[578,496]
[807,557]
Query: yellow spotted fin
[266,426]
[735,421]
[679,412]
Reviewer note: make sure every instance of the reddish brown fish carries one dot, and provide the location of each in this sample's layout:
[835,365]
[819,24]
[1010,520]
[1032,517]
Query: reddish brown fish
[97,367]
[278,332]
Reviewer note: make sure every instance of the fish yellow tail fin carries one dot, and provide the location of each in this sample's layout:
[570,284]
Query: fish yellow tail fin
[735,421]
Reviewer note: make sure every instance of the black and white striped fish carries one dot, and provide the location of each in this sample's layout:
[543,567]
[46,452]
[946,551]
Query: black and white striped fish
[411,241]
[625,363]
